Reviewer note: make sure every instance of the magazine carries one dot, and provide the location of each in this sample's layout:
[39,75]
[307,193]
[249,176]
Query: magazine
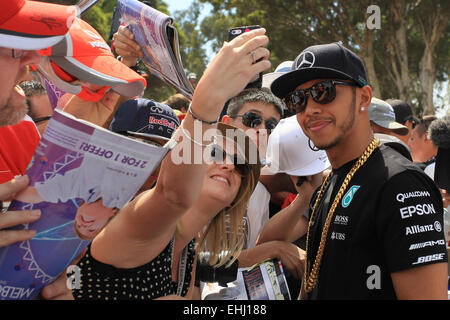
[85,5]
[158,38]
[81,175]
[264,281]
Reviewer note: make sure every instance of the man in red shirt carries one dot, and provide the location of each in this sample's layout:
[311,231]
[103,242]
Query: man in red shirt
[17,145]
[21,34]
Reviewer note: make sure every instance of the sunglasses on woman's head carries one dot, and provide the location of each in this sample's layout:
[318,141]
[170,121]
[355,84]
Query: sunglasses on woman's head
[218,155]
[322,92]
[252,120]
[146,140]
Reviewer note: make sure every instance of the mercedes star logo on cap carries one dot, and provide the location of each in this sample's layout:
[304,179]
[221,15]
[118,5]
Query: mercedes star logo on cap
[306,60]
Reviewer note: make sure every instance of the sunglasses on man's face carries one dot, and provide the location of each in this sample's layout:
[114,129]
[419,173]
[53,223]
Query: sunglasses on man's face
[322,92]
[252,120]
[415,121]
[218,155]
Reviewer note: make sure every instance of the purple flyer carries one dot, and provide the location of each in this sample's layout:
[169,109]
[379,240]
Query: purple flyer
[81,175]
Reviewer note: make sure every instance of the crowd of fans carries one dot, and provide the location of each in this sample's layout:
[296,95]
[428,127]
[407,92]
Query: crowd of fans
[319,195]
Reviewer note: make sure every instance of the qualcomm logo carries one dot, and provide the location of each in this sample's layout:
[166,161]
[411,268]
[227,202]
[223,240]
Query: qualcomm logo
[349,196]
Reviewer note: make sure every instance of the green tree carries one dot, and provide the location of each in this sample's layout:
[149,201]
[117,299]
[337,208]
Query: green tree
[405,57]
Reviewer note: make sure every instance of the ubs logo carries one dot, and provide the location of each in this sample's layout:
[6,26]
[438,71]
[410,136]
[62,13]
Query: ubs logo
[347,199]
[337,236]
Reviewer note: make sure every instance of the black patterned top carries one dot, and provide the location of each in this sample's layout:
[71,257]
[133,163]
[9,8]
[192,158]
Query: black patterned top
[100,281]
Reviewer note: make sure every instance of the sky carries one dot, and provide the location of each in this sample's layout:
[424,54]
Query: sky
[178,4]
[183,5]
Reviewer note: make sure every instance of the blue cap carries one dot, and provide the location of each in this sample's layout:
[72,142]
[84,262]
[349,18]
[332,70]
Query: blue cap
[145,118]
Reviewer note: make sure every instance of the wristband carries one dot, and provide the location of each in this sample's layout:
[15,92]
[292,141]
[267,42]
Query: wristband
[196,142]
[199,119]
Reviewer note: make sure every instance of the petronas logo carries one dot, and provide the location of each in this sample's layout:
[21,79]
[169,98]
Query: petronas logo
[347,199]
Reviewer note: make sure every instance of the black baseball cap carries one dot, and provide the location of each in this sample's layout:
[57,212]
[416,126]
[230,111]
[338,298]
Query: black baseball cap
[402,110]
[328,61]
[146,118]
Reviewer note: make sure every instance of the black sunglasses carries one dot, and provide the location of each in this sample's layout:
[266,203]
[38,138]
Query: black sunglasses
[413,120]
[252,120]
[322,92]
[218,155]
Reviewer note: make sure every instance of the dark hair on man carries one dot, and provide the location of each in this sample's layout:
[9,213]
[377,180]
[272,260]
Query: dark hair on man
[423,124]
[263,95]
[402,110]
[178,102]
[33,88]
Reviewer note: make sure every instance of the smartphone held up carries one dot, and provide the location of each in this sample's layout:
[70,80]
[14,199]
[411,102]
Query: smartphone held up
[233,33]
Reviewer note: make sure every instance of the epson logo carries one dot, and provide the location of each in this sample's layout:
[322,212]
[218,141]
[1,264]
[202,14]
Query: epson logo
[419,209]
[427,244]
[401,197]
[342,220]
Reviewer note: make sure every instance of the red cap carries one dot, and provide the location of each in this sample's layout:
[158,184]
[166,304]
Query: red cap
[31,25]
[86,55]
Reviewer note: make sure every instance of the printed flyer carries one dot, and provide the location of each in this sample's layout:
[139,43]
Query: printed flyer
[81,175]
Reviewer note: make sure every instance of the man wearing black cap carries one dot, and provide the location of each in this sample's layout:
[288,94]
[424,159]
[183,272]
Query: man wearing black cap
[375,228]
[403,115]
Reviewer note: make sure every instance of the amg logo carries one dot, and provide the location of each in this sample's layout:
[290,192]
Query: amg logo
[342,220]
[419,229]
[427,244]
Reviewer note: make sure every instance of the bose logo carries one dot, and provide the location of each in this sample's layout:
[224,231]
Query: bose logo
[433,257]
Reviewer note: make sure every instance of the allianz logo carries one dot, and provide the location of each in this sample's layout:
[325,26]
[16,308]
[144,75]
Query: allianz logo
[425,228]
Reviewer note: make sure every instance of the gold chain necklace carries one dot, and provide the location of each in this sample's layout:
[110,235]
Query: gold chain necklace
[310,280]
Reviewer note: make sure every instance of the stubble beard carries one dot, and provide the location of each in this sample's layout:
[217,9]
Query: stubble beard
[12,112]
[344,128]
